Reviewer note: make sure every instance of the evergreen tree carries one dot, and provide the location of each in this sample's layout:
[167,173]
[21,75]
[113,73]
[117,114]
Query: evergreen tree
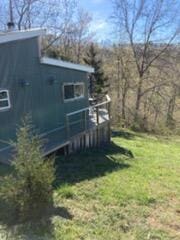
[28,189]
[98,80]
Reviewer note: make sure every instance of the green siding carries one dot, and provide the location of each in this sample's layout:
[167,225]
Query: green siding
[19,61]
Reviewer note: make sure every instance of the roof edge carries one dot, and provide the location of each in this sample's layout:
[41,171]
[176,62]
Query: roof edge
[20,35]
[64,64]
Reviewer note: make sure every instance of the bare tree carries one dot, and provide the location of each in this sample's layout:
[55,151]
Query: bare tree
[54,14]
[24,10]
[82,34]
[144,24]
[174,85]
[124,79]
[71,39]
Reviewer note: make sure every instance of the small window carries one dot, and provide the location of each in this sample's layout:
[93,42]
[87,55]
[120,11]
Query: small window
[68,91]
[4,100]
[79,90]
[73,91]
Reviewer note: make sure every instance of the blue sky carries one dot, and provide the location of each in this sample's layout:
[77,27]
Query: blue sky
[100,11]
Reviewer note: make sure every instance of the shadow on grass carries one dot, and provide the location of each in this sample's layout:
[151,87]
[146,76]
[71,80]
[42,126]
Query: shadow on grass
[91,164]
[72,169]
[123,134]
[13,226]
[116,149]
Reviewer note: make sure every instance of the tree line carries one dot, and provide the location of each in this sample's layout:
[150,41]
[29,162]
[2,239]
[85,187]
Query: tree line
[140,70]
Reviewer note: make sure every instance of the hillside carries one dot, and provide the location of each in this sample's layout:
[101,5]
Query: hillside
[130,191]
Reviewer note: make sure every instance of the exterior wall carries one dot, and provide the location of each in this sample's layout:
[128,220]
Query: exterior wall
[20,64]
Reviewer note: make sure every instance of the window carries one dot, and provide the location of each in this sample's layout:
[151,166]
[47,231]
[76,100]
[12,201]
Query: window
[73,91]
[79,90]
[4,100]
[68,91]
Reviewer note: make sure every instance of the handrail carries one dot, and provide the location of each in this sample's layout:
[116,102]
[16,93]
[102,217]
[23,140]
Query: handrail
[76,112]
[88,108]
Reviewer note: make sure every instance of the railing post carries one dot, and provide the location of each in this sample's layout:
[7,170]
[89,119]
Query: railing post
[67,127]
[97,115]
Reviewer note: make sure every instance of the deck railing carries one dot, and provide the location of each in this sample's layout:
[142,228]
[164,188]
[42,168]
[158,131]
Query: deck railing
[86,118]
[76,122]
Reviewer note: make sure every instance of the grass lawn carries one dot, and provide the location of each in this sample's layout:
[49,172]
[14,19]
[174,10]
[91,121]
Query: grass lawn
[129,191]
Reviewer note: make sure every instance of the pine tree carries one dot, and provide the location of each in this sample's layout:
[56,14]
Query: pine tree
[98,80]
[28,189]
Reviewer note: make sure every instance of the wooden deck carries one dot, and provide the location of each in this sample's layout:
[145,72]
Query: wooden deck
[91,130]
[94,124]
[103,116]
[92,116]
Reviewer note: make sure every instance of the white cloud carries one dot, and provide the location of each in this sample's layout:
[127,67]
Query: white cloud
[100,12]
[100,27]
[98,24]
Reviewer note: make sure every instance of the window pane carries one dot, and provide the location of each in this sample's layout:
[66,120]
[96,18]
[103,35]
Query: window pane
[68,91]
[4,104]
[79,90]
[3,95]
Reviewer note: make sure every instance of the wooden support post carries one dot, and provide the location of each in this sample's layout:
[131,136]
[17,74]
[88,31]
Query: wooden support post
[85,120]
[66,150]
[70,148]
[87,141]
[109,124]
[109,109]
[97,115]
[97,127]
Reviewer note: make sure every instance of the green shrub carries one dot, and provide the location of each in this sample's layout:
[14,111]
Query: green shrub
[28,190]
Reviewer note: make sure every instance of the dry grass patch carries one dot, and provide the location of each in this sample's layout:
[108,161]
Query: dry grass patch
[166,217]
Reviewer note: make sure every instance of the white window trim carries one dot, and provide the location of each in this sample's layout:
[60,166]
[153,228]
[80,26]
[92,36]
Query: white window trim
[5,99]
[75,98]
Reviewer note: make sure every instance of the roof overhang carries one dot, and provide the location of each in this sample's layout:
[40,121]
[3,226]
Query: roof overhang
[26,34]
[60,63]
[20,35]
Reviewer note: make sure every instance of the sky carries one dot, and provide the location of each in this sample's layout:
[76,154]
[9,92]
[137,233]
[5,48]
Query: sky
[101,11]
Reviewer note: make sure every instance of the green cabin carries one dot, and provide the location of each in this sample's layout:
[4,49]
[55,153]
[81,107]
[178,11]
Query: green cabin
[53,92]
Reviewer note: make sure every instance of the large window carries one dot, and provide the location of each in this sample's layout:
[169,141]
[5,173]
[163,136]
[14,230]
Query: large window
[73,91]
[4,100]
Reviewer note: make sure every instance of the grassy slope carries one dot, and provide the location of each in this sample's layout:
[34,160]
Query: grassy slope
[136,198]
[110,194]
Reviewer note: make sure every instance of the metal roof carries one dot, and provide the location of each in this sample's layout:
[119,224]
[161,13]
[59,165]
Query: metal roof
[20,35]
[60,63]
[25,34]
